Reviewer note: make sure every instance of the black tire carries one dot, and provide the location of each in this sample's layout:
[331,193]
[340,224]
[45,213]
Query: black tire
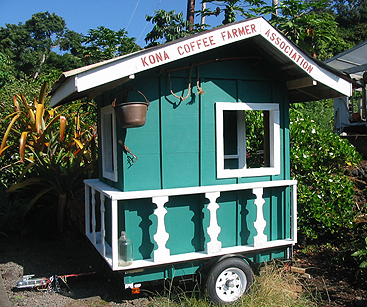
[228,280]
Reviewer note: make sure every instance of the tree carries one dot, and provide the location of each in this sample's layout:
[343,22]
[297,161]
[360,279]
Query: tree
[231,8]
[5,70]
[102,43]
[45,30]
[30,44]
[316,33]
[351,16]
[32,47]
[169,26]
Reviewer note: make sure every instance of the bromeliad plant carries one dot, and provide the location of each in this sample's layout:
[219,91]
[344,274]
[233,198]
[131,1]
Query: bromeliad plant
[58,150]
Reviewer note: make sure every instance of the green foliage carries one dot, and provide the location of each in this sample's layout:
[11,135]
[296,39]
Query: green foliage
[361,254]
[6,75]
[231,8]
[325,195]
[351,16]
[59,150]
[30,47]
[316,33]
[254,139]
[102,44]
[322,112]
[169,26]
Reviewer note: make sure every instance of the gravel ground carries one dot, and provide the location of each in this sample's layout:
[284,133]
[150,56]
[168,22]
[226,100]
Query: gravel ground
[68,254]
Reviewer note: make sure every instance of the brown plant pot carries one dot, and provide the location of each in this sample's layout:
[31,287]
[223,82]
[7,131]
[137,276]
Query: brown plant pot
[132,114]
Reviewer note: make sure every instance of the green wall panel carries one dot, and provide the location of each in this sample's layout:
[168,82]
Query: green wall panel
[227,219]
[218,90]
[254,91]
[179,137]
[184,223]
[140,225]
[144,142]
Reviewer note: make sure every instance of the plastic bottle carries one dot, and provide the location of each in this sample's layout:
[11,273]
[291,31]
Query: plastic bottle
[125,250]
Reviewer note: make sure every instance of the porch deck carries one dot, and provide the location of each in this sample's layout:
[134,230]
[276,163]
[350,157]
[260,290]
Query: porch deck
[161,254]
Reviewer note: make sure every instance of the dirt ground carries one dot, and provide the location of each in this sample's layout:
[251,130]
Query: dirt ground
[330,282]
[73,254]
[63,255]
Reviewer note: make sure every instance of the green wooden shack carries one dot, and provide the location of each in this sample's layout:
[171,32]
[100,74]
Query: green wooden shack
[194,153]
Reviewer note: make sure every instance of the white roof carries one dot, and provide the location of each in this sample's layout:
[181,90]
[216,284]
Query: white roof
[352,61]
[309,79]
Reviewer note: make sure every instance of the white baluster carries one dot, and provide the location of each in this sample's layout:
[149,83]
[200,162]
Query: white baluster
[87,209]
[103,228]
[260,239]
[115,233]
[161,237]
[213,230]
[94,216]
[294,213]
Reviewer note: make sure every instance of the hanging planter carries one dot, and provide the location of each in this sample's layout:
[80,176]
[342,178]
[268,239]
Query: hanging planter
[131,114]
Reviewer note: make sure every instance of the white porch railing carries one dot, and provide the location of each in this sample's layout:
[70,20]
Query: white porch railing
[160,198]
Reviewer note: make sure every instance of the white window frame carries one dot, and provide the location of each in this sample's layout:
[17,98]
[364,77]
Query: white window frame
[274,140]
[109,143]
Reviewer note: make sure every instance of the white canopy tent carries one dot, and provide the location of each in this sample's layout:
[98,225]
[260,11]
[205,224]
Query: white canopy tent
[350,113]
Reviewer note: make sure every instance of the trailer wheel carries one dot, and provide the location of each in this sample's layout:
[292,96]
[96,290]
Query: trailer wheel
[227,280]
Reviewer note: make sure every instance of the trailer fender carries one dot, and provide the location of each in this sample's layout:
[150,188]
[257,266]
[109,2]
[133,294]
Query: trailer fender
[205,268]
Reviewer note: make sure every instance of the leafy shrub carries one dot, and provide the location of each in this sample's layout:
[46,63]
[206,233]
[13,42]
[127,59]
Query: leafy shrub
[325,194]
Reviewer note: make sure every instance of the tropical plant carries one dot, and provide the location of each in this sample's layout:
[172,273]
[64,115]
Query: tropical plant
[361,254]
[316,33]
[102,44]
[231,8]
[169,26]
[58,153]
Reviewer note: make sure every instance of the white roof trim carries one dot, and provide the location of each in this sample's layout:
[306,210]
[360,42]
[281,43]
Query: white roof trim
[89,77]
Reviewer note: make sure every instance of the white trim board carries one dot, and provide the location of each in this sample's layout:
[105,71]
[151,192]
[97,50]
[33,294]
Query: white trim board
[274,135]
[90,77]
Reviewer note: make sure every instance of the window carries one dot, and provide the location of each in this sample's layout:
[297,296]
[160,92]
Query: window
[248,139]
[109,146]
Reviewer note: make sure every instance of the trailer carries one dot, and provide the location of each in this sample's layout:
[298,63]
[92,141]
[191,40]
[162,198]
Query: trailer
[194,153]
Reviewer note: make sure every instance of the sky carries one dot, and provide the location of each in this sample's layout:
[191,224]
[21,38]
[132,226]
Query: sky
[82,15]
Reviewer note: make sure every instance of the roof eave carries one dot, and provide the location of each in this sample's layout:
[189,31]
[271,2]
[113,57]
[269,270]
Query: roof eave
[91,80]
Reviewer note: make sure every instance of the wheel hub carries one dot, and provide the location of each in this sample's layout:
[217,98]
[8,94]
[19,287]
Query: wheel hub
[231,284]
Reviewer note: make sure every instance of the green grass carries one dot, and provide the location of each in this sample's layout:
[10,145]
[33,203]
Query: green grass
[273,287]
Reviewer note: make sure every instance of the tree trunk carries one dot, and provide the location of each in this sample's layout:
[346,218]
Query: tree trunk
[39,67]
[275,4]
[190,13]
[203,7]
